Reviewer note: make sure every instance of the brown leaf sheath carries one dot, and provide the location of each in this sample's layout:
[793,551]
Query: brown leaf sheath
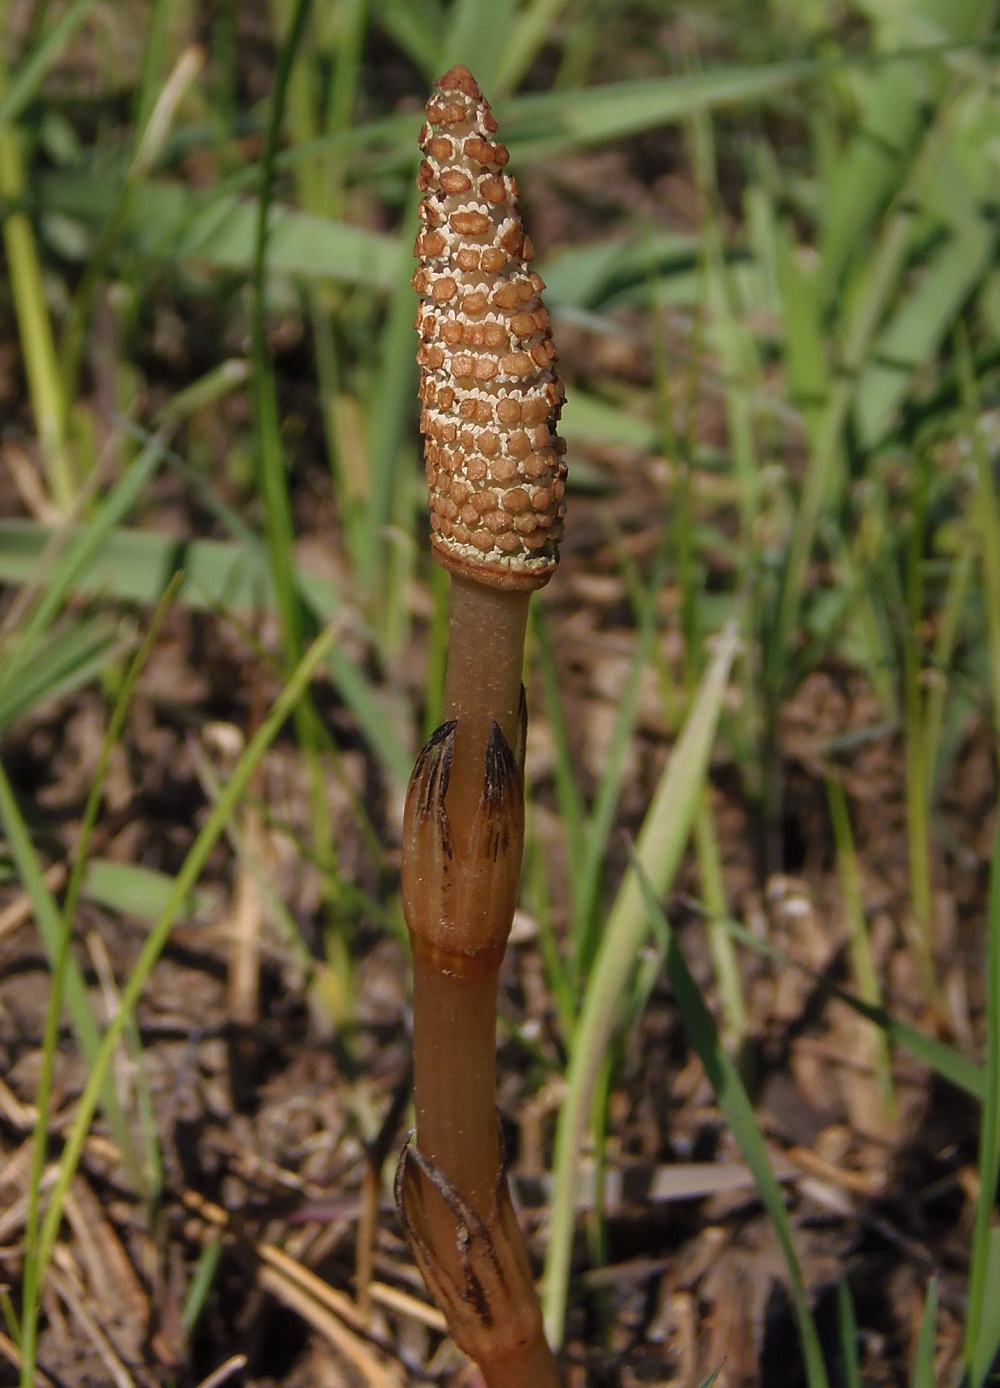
[459,896]
[491,396]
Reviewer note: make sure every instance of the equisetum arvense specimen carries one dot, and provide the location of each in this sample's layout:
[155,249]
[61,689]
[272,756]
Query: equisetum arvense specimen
[496,480]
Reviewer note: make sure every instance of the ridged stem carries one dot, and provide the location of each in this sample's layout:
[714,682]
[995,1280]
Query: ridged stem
[454,1005]
[462,850]
[482,682]
[454,1074]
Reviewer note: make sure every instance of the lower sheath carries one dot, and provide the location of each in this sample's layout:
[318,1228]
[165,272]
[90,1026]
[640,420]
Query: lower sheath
[454,1088]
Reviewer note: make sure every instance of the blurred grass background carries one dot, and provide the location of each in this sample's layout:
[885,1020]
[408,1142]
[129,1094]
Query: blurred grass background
[786,213]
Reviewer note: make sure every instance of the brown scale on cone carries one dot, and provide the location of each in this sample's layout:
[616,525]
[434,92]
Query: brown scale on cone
[490,393]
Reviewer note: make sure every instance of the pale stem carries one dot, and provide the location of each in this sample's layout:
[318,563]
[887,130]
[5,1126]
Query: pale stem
[482,683]
[454,1076]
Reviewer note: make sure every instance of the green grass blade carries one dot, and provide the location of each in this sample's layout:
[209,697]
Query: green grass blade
[894,100]
[128,889]
[859,943]
[359,696]
[618,109]
[155,60]
[847,1325]
[590,276]
[553,121]
[273,488]
[418,27]
[437,649]
[824,477]
[169,221]
[65,661]
[587,868]
[952,613]
[151,1175]
[526,37]
[659,848]
[271,474]
[391,405]
[984,511]
[51,929]
[202,393]
[982,1317]
[148,143]
[923,1367]
[32,69]
[804,338]
[201,1284]
[342,90]
[944,1060]
[82,546]
[166,221]
[136,566]
[590,420]
[477,36]
[987,1347]
[184,884]
[872,167]
[536,898]
[34,324]
[720,942]
[725,313]
[914,333]
[735,1104]
[568,797]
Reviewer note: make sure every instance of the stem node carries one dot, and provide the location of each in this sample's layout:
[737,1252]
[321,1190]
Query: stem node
[488,1294]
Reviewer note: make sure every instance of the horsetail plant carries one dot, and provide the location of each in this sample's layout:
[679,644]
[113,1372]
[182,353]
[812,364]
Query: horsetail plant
[491,402]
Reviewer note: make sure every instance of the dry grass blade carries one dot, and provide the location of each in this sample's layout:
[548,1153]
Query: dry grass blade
[66,1283]
[20,1116]
[330,1312]
[14,1178]
[19,911]
[12,1354]
[339,1303]
[111,1280]
[246,924]
[346,1341]
[392,1299]
[224,1371]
